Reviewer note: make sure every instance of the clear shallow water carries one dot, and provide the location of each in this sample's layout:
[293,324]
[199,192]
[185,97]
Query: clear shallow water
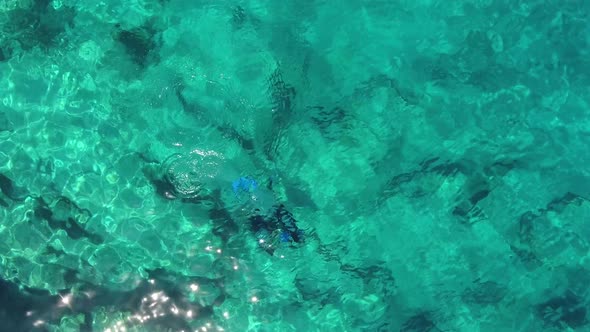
[419,166]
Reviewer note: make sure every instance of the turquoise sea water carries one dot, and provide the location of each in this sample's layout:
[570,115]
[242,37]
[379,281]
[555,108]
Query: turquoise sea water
[411,166]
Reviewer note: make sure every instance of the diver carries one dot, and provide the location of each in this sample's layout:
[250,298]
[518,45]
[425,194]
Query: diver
[184,178]
[270,221]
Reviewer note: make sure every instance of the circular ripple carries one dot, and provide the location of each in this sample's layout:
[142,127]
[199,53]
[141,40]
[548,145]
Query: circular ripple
[191,175]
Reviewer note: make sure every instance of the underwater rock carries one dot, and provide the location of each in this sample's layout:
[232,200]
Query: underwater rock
[238,17]
[23,307]
[4,55]
[141,43]
[5,124]
[19,306]
[224,226]
[11,191]
[484,293]
[566,310]
[420,322]
[65,215]
[39,25]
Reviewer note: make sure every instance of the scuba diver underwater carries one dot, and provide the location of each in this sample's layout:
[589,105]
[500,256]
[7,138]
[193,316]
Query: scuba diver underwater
[272,225]
[233,205]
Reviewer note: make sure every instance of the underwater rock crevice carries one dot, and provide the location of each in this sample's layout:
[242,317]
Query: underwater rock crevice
[40,25]
[141,43]
[63,214]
